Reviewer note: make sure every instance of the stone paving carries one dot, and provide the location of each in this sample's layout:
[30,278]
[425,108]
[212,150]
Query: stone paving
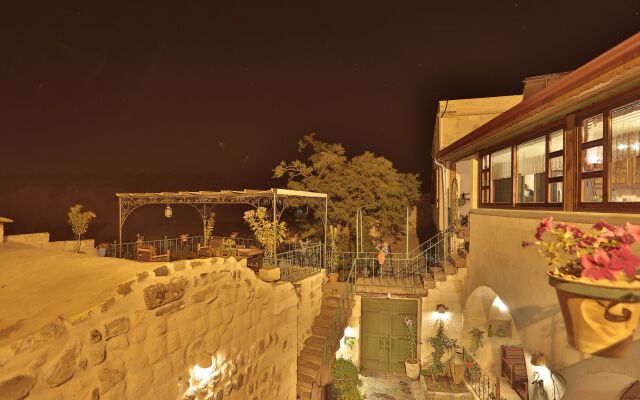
[378,385]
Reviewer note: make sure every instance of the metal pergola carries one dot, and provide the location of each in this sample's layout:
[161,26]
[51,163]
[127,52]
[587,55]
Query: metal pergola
[203,201]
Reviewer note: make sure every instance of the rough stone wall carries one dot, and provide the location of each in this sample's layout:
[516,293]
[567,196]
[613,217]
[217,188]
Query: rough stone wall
[143,342]
[309,291]
[41,240]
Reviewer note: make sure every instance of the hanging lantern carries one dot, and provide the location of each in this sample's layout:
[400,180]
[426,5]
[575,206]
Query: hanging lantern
[168,212]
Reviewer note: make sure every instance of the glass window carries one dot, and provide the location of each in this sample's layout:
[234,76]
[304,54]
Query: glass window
[501,181]
[531,171]
[592,159]
[556,166]
[624,170]
[592,189]
[592,129]
[556,141]
[555,192]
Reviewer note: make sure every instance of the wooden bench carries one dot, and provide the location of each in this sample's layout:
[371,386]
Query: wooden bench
[148,253]
[212,249]
[513,366]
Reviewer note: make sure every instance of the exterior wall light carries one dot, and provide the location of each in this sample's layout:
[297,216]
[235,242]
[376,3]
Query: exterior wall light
[168,211]
[441,308]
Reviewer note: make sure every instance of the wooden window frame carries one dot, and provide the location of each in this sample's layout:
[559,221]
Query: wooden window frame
[605,109]
[545,132]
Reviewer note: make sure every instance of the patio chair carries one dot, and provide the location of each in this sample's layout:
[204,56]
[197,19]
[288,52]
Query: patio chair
[212,249]
[148,253]
[513,365]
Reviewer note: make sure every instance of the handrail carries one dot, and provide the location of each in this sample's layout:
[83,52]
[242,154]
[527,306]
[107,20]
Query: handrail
[300,263]
[483,385]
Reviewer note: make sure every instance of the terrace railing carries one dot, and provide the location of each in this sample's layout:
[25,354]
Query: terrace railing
[298,263]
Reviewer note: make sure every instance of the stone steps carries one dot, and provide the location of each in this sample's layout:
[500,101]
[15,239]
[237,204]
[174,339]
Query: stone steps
[311,357]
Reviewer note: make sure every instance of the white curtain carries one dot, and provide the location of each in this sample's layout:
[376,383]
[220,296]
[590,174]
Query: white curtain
[529,165]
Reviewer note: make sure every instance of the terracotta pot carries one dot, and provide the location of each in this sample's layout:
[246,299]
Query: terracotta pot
[412,369]
[269,274]
[600,317]
[333,277]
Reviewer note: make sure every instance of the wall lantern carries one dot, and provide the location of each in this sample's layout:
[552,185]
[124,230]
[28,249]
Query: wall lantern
[441,308]
[538,360]
[168,212]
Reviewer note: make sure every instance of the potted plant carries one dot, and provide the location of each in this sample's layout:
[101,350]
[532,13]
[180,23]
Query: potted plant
[597,283]
[102,249]
[333,256]
[208,227]
[269,236]
[471,365]
[346,380]
[412,364]
[79,221]
[441,344]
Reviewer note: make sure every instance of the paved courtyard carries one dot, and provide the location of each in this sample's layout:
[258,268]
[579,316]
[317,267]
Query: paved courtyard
[378,385]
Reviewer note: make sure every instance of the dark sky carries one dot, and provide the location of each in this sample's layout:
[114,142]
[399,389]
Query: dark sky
[225,89]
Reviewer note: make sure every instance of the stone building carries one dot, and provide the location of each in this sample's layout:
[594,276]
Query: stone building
[570,149]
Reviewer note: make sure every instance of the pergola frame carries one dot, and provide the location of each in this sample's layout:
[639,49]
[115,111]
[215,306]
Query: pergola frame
[275,199]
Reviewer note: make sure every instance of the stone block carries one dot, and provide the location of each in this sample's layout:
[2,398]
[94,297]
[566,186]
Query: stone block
[95,353]
[124,288]
[17,387]
[161,271]
[65,366]
[47,334]
[110,375]
[170,309]
[116,327]
[95,336]
[160,294]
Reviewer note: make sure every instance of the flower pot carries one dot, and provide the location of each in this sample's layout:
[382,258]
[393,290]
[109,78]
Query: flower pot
[333,277]
[269,274]
[102,251]
[412,369]
[600,316]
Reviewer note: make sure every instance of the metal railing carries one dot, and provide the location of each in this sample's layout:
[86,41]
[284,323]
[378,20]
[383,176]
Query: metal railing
[340,318]
[299,263]
[484,386]
[184,244]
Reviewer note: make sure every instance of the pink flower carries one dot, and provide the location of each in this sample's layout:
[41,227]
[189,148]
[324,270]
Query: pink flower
[602,224]
[624,259]
[633,230]
[596,266]
[544,226]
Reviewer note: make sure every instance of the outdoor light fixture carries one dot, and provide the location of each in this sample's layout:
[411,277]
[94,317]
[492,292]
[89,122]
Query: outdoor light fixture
[168,212]
[441,308]
[538,360]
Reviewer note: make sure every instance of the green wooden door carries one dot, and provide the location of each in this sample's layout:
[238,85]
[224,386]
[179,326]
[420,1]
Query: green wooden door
[384,344]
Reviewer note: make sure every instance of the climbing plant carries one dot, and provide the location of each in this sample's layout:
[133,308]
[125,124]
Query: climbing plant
[441,344]
[346,381]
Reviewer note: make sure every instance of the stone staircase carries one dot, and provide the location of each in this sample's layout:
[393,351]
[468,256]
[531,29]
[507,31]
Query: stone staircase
[310,359]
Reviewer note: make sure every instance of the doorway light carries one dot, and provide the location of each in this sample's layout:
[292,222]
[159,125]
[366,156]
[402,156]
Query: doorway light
[500,305]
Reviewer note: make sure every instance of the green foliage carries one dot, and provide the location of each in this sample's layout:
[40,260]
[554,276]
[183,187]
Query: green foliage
[441,343]
[263,230]
[228,245]
[412,338]
[365,181]
[79,221]
[477,340]
[346,381]
[208,229]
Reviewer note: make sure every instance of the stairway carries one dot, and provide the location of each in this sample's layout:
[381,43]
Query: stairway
[310,359]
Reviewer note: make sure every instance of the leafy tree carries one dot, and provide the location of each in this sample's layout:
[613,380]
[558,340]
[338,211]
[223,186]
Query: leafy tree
[79,221]
[441,343]
[365,181]
[262,228]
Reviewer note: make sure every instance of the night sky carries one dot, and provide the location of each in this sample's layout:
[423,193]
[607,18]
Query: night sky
[97,97]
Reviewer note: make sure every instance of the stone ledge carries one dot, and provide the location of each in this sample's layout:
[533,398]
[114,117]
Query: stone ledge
[564,216]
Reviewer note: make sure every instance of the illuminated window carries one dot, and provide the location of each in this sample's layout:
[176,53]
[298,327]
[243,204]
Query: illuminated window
[624,170]
[592,159]
[501,182]
[531,171]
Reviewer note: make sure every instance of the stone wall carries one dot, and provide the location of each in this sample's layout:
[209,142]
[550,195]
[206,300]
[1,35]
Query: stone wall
[158,333]
[41,240]
[309,291]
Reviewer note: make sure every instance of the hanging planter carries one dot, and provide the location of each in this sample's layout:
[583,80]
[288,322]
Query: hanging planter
[600,317]
[597,283]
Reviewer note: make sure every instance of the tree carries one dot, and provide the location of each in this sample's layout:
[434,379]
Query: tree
[365,181]
[79,221]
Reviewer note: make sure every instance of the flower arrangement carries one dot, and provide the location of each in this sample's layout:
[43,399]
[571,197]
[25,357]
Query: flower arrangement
[602,253]
[264,231]
[412,337]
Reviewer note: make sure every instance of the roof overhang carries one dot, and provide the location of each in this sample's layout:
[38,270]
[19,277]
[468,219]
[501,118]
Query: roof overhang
[614,72]
[269,193]
[5,220]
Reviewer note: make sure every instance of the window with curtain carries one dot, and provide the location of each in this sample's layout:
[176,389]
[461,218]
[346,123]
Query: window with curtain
[624,170]
[531,171]
[501,181]
[592,156]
